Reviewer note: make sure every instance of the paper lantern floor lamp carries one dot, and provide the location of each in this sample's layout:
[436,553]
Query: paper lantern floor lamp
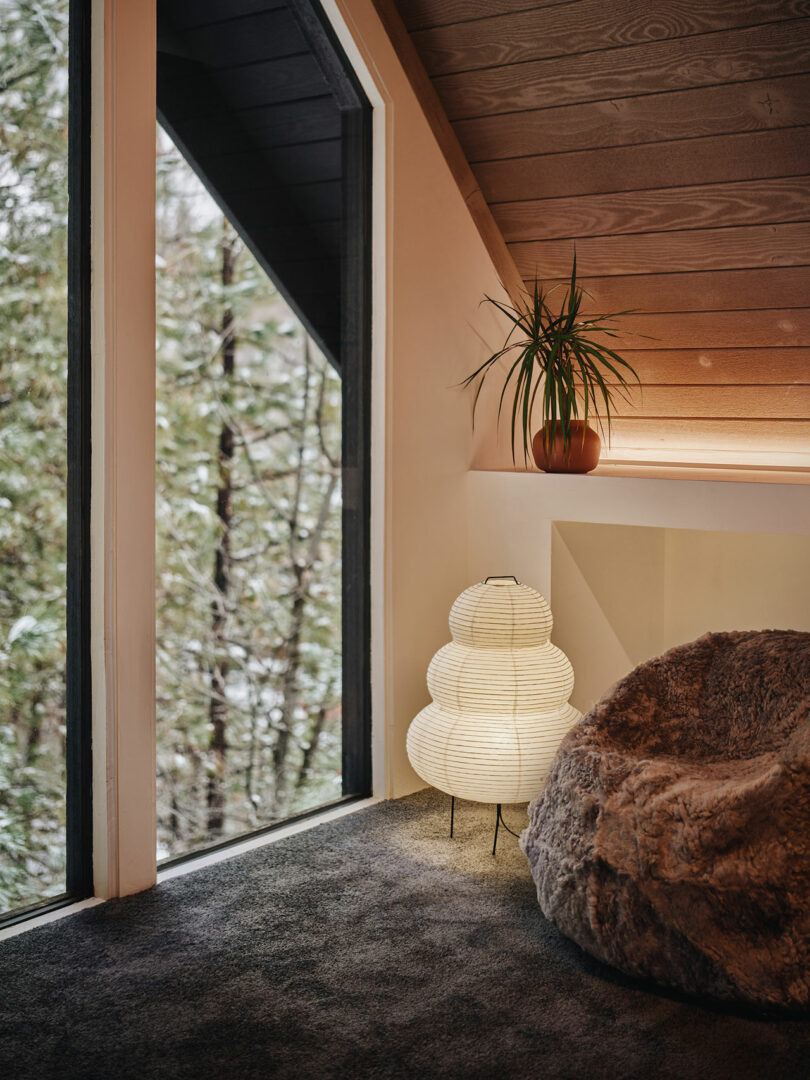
[500,694]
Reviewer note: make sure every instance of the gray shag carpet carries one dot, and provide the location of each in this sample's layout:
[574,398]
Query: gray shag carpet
[369,947]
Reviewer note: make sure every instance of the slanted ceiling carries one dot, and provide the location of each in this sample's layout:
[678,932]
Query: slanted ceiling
[669,142]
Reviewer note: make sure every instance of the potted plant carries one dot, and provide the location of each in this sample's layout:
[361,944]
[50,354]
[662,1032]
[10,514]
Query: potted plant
[575,373]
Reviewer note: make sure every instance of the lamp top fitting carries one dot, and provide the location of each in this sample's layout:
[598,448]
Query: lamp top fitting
[499,613]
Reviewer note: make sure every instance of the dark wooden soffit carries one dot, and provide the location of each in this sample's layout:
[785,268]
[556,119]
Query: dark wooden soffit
[241,90]
[450,146]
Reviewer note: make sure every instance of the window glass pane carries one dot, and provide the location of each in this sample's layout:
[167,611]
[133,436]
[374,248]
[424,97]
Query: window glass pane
[249,536]
[33,456]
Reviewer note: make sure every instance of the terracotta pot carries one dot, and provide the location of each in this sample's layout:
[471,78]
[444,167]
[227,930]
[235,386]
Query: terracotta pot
[581,456]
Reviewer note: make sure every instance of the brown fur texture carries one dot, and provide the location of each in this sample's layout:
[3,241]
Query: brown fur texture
[672,839]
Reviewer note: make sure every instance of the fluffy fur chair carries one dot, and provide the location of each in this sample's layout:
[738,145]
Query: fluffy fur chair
[672,839]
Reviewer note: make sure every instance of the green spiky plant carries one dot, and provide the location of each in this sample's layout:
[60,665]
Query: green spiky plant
[579,375]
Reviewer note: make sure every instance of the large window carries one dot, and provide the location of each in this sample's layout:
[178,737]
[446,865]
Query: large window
[262,422]
[249,536]
[43,446]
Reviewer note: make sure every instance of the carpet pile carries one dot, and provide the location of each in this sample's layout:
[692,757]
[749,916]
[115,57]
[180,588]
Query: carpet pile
[369,947]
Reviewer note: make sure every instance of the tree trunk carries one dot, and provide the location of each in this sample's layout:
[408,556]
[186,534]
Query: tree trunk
[174,818]
[289,685]
[289,693]
[311,749]
[34,739]
[218,710]
[292,644]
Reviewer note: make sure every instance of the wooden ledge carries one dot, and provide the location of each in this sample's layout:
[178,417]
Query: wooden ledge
[675,470]
[672,470]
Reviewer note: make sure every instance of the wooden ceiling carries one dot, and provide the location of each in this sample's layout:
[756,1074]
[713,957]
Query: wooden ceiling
[668,140]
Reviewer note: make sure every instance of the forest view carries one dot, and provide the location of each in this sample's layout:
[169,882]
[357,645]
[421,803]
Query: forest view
[248,504]
[249,536]
[33,448]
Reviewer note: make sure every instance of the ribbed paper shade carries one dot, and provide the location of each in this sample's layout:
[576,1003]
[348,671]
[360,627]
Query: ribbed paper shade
[500,694]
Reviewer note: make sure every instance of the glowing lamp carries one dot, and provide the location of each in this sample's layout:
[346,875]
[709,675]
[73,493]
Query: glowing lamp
[500,694]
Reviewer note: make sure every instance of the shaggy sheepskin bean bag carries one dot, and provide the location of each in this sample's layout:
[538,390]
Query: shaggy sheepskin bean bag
[672,838]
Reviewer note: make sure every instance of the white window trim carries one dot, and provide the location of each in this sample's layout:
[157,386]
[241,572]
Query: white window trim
[123,445]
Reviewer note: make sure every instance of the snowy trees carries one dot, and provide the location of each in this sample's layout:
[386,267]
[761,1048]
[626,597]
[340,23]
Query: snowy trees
[249,536]
[33,451]
[248,504]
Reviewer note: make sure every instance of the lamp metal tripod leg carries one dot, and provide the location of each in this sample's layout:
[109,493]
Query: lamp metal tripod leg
[499,821]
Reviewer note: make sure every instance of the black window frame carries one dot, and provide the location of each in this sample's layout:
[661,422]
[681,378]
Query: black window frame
[78,701]
[356,114]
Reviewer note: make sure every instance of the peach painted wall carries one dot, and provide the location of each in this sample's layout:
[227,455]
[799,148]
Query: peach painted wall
[436,270]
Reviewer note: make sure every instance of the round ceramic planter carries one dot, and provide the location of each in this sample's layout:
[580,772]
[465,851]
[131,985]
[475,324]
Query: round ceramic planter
[580,456]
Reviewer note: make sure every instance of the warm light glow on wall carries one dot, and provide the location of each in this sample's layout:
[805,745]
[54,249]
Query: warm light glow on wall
[716,456]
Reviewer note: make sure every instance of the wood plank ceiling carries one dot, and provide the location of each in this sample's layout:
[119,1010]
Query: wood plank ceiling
[669,141]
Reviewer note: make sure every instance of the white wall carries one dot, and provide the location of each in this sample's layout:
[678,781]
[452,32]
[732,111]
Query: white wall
[623,594]
[631,567]
[735,581]
[609,599]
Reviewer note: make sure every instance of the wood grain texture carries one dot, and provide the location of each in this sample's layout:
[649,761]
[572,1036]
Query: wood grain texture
[681,114]
[449,145]
[419,14]
[712,434]
[733,290]
[686,162]
[706,60]
[523,36]
[667,252]
[670,142]
[673,469]
[782,328]
[712,367]
[720,402]
[752,202]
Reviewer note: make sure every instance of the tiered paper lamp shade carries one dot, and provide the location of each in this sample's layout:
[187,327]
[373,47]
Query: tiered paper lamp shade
[500,694]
